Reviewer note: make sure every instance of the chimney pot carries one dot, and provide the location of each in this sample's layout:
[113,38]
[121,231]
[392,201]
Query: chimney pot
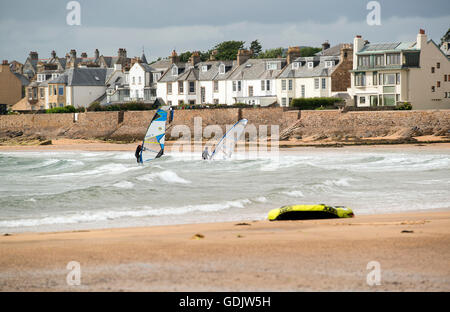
[358,36]
[422,31]
[5,62]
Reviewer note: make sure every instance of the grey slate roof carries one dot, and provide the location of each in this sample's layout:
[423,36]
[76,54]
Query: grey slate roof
[332,51]
[388,47]
[143,58]
[256,69]
[147,68]
[24,80]
[319,69]
[84,77]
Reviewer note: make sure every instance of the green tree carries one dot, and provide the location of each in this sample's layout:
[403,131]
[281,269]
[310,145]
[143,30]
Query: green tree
[227,50]
[184,57]
[271,53]
[309,51]
[256,47]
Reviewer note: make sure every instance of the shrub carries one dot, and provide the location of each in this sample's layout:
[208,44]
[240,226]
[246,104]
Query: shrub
[135,106]
[404,106]
[64,109]
[314,103]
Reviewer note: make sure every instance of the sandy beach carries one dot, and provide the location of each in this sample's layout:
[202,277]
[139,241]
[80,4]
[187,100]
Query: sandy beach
[412,248]
[317,255]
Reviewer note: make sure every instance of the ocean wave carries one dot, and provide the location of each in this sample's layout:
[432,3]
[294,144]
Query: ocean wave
[124,184]
[101,170]
[293,193]
[168,176]
[105,215]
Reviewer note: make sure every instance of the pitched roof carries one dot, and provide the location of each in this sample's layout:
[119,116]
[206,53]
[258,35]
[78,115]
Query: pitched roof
[83,77]
[143,58]
[334,50]
[24,80]
[388,47]
[257,69]
[320,68]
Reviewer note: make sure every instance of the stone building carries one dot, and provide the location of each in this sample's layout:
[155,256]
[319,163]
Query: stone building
[12,85]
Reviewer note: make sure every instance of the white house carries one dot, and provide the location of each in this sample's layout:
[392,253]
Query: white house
[141,82]
[323,75]
[386,74]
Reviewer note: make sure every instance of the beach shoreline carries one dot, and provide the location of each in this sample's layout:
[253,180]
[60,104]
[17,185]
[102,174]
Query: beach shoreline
[412,248]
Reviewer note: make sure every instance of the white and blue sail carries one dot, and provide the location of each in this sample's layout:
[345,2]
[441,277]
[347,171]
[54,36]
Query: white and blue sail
[153,144]
[225,148]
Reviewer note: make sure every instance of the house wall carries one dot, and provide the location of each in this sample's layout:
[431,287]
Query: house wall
[135,72]
[83,96]
[10,86]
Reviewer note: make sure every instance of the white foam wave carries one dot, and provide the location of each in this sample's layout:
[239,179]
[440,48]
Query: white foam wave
[294,193]
[338,182]
[124,184]
[166,176]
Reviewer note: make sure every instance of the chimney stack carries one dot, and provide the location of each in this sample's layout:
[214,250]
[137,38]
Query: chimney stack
[96,54]
[243,56]
[195,58]
[292,54]
[212,57]
[122,52]
[53,54]
[73,53]
[5,66]
[173,57]
[421,39]
[358,44]
[84,55]
[33,55]
[325,45]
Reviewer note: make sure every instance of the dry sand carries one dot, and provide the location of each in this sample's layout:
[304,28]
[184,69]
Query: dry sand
[314,255]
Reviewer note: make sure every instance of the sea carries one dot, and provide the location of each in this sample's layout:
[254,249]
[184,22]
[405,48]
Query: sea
[61,191]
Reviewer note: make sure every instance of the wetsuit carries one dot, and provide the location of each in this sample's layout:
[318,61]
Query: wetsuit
[137,154]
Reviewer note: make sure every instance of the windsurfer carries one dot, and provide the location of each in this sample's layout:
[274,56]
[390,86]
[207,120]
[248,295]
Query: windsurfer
[205,154]
[137,154]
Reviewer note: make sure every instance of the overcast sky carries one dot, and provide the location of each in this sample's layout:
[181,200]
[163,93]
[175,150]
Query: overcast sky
[162,25]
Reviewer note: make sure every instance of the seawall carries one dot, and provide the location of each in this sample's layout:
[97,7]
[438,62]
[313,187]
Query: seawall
[129,126]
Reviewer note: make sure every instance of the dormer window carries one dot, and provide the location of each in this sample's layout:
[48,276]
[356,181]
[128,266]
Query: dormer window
[271,66]
[295,65]
[310,64]
[222,69]
[175,71]
[204,68]
[329,64]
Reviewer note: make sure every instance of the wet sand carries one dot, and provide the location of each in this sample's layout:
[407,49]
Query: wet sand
[413,250]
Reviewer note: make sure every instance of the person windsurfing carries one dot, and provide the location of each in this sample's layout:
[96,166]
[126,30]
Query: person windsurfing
[138,153]
[205,154]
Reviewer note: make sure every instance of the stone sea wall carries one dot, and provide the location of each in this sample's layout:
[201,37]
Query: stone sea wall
[129,126]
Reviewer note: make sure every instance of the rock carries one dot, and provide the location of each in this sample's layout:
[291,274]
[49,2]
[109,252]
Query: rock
[46,142]
[198,236]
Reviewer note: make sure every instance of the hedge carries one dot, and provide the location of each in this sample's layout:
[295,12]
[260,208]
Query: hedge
[315,103]
[64,109]
[131,106]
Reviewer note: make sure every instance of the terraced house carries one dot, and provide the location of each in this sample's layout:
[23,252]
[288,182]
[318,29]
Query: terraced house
[387,74]
[324,75]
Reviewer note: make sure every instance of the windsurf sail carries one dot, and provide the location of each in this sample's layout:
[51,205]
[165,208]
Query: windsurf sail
[153,144]
[227,143]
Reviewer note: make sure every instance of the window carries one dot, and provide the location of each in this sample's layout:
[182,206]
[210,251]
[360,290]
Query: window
[389,99]
[316,83]
[310,65]
[362,100]
[268,85]
[169,88]
[175,71]
[303,91]
[156,76]
[432,70]
[360,79]
[433,89]
[374,78]
[438,84]
[271,65]
[216,101]
[364,61]
[61,90]
[283,101]
[191,102]
[379,60]
[222,69]
[290,100]
[204,68]
[393,59]
[438,65]
[216,86]
[180,87]
[374,100]
[329,64]
[191,86]
[397,78]
[61,104]
[169,102]
[389,79]
[41,91]
[290,84]
[295,65]
[324,83]
[234,86]
[380,79]
[180,102]
[140,81]
[250,91]
[283,85]
[54,90]
[445,77]
[134,80]
[263,85]
[239,86]
[203,94]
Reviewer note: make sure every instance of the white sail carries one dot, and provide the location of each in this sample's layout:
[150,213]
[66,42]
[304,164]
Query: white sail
[153,144]
[225,148]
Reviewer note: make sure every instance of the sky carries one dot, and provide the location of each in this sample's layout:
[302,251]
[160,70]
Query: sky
[159,26]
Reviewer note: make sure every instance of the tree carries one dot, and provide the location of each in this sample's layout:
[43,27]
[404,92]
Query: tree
[228,50]
[256,47]
[271,53]
[309,51]
[184,57]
